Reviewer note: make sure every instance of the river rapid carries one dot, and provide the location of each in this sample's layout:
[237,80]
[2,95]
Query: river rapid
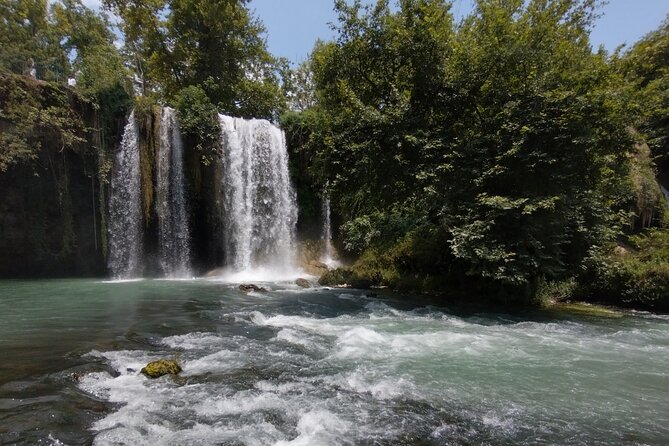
[318,367]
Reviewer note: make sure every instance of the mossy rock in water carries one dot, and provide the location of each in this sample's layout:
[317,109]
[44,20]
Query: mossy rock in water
[304,283]
[586,309]
[156,369]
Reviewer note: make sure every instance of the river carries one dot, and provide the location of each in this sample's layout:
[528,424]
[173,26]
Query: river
[318,366]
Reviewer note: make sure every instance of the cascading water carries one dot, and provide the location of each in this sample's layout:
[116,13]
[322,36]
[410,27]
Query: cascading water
[328,252]
[171,207]
[260,210]
[125,213]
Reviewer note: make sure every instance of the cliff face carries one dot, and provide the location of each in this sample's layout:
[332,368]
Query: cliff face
[49,219]
[53,148]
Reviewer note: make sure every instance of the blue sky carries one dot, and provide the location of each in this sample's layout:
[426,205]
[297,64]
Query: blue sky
[294,25]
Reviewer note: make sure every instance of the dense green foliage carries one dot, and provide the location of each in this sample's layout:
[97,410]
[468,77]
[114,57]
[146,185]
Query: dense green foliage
[57,41]
[646,66]
[214,44]
[636,274]
[60,41]
[504,138]
[198,119]
[34,115]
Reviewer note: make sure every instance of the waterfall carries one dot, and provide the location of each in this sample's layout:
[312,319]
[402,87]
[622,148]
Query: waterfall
[125,213]
[260,210]
[171,207]
[328,251]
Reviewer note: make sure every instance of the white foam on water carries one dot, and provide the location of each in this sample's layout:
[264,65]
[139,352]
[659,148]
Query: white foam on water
[52,441]
[194,341]
[223,360]
[374,375]
[325,327]
[123,280]
[296,337]
[239,403]
[319,427]
[260,275]
[374,383]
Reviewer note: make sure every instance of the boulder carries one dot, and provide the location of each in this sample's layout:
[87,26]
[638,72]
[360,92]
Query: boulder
[316,268]
[156,369]
[215,272]
[337,277]
[304,283]
[248,287]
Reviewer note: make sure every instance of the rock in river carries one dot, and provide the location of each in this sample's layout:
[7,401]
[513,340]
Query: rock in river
[304,283]
[156,369]
[248,287]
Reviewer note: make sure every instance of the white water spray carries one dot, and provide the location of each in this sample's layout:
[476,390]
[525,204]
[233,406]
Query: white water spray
[171,206]
[260,210]
[125,213]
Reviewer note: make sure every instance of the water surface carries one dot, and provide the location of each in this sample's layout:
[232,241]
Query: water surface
[310,367]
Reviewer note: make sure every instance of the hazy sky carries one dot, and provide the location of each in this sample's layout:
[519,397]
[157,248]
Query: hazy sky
[294,25]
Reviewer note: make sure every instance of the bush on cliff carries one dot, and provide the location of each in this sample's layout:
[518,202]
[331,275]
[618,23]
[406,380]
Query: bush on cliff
[637,275]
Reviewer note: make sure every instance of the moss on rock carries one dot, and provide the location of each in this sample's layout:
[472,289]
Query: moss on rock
[156,369]
[585,309]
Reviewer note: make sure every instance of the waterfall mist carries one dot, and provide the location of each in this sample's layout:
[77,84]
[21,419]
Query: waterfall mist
[125,213]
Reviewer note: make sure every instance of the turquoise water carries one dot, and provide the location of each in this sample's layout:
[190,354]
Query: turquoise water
[320,366]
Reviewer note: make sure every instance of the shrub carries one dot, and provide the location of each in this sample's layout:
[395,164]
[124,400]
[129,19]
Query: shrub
[637,275]
[198,120]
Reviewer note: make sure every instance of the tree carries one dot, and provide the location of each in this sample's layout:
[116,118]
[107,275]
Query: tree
[298,85]
[87,40]
[215,44]
[27,41]
[646,66]
[504,134]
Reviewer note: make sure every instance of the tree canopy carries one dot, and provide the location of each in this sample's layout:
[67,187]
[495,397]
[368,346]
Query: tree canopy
[215,44]
[504,136]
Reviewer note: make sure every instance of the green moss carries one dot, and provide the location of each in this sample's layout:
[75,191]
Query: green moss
[156,369]
[35,114]
[198,120]
[584,309]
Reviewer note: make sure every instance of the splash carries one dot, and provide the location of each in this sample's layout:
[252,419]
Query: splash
[259,204]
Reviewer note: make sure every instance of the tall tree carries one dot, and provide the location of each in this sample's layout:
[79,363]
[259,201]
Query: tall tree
[27,41]
[216,44]
[646,65]
[504,133]
[88,41]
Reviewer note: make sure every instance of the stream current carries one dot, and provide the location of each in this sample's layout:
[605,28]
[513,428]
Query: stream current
[318,367]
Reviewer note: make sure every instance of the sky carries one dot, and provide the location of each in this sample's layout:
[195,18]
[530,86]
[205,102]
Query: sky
[294,25]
